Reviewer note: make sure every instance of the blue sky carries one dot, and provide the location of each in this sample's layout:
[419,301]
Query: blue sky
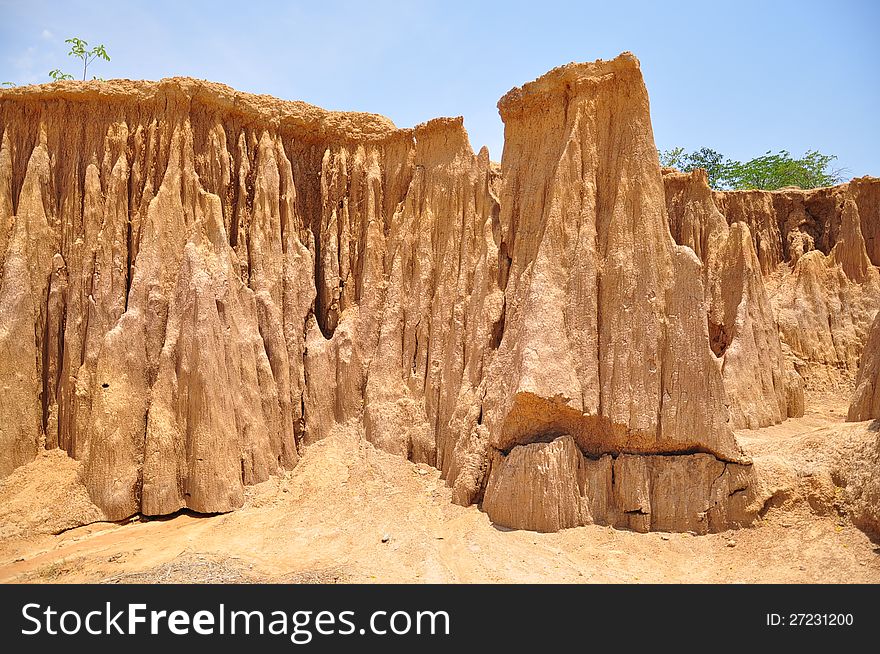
[742,77]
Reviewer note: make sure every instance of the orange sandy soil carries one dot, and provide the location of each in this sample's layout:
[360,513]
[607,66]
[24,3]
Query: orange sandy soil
[326,520]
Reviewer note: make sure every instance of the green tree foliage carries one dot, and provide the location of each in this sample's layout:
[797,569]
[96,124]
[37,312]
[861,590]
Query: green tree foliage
[674,158]
[767,172]
[711,161]
[58,75]
[80,50]
[776,170]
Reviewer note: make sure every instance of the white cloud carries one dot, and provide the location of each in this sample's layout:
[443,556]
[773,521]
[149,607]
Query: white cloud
[46,35]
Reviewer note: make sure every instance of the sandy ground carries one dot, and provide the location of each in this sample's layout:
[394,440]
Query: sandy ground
[351,513]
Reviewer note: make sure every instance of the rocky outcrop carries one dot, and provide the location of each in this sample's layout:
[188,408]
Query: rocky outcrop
[808,269]
[865,404]
[606,338]
[413,291]
[160,359]
[551,486]
[198,283]
[594,277]
[29,267]
[762,389]
[790,222]
[817,250]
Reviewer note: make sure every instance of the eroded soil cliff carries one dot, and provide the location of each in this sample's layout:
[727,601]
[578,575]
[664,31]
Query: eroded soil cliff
[198,283]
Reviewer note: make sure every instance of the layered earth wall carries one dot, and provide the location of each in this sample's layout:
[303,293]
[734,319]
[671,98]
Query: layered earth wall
[198,283]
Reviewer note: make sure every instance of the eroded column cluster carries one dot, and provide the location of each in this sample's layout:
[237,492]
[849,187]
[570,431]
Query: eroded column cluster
[198,283]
